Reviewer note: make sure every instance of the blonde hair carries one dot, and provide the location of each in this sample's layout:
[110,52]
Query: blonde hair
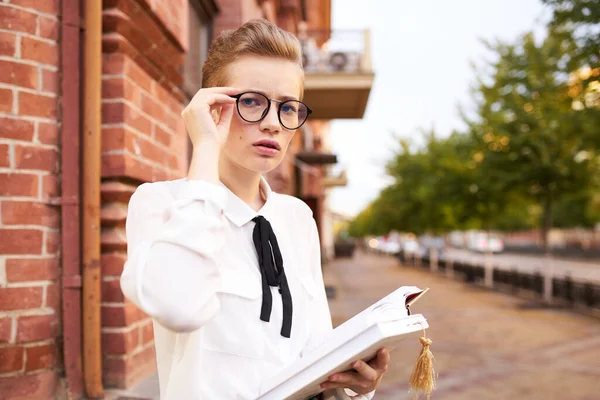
[256,37]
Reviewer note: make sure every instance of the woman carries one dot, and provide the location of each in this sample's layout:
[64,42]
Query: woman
[230,271]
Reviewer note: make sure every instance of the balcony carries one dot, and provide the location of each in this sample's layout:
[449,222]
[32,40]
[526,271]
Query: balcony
[338,71]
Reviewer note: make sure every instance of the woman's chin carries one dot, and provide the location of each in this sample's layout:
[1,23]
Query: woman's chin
[262,165]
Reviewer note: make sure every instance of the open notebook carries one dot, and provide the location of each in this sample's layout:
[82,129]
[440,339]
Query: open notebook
[383,324]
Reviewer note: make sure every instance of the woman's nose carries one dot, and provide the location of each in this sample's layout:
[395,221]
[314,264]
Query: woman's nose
[271,121]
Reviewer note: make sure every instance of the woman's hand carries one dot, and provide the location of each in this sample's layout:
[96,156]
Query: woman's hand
[365,378]
[208,115]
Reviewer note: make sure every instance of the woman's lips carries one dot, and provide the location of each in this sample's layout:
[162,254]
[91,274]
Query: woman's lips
[266,151]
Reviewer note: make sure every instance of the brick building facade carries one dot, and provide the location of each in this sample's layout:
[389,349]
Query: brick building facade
[59,338]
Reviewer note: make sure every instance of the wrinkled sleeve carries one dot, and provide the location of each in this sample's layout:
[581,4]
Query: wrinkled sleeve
[321,324]
[172,240]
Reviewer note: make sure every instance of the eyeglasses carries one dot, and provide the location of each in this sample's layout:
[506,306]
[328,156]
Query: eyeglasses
[254,107]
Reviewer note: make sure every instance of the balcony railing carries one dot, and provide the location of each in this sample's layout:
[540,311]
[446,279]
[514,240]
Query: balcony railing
[336,51]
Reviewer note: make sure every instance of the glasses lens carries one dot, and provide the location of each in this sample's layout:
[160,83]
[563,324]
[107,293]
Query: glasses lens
[252,106]
[292,114]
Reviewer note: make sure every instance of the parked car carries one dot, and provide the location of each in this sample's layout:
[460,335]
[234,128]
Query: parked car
[483,243]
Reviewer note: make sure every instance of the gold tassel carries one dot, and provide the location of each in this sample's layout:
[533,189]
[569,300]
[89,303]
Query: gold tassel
[423,376]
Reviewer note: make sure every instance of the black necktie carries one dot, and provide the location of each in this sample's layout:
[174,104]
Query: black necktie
[271,270]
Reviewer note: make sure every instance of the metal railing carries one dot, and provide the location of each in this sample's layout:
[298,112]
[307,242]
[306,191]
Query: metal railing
[336,51]
[565,290]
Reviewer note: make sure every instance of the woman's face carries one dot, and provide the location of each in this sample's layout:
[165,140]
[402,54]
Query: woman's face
[277,79]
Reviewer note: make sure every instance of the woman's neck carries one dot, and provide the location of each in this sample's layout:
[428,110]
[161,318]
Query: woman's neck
[243,183]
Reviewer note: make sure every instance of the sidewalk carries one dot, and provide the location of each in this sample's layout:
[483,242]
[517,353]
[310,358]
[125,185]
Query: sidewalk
[487,345]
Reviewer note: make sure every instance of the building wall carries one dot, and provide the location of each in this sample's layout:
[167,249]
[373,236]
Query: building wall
[144,44]
[143,140]
[29,224]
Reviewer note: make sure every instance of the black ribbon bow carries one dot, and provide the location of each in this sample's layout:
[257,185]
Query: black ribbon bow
[271,270]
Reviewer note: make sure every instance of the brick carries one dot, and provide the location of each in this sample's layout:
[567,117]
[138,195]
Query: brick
[139,169]
[49,187]
[119,112]
[42,385]
[147,333]
[46,6]
[8,44]
[53,297]
[11,359]
[52,242]
[111,292]
[20,241]
[18,129]
[118,372]
[117,316]
[14,19]
[31,269]
[119,343]
[5,329]
[37,158]
[138,75]
[153,108]
[41,357]
[136,120]
[18,185]
[37,327]
[48,28]
[113,165]
[48,133]
[160,174]
[114,88]
[20,298]
[6,100]
[113,138]
[19,74]
[4,156]
[37,105]
[162,136]
[38,50]
[150,151]
[113,113]
[29,213]
[113,64]
[49,81]
[112,264]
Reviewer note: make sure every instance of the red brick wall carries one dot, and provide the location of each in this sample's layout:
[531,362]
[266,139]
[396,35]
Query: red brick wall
[143,139]
[29,225]
[235,12]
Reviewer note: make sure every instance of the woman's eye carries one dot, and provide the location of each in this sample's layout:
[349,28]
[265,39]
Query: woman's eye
[288,109]
[249,102]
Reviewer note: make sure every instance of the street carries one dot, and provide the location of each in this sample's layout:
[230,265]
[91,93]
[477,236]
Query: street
[584,271]
[487,345]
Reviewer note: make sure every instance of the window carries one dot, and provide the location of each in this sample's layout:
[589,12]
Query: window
[200,17]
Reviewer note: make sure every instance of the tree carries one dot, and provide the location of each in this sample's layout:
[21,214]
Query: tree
[533,140]
[582,17]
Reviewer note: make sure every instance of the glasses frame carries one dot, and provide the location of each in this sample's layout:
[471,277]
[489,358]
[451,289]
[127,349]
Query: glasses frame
[266,112]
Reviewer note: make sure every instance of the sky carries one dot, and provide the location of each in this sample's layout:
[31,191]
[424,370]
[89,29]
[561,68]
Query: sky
[422,54]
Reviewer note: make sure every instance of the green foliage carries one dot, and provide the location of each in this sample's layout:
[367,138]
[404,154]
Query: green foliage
[529,156]
[582,17]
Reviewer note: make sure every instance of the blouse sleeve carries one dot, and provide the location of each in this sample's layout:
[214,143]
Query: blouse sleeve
[170,272]
[321,315]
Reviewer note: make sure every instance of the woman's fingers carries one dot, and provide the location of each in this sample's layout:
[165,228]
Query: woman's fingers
[346,380]
[365,370]
[225,117]
[380,363]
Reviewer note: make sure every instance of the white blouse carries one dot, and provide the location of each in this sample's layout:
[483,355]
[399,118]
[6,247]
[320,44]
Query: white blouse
[192,266]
